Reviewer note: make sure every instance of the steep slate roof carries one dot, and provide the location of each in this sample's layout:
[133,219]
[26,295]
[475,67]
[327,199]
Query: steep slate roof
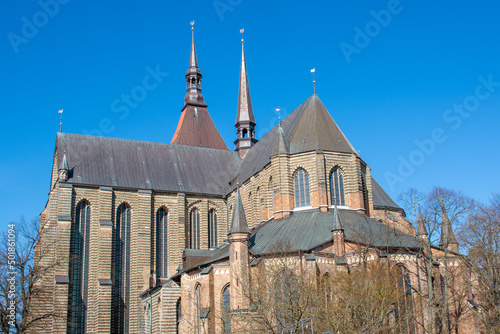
[380,197]
[305,231]
[245,110]
[135,164]
[307,128]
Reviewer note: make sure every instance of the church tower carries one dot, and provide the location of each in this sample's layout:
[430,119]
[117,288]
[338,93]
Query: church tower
[245,122]
[196,127]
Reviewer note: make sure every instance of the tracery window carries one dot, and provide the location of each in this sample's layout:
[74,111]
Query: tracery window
[197,301]
[301,181]
[161,243]
[212,229]
[79,269]
[194,229]
[121,284]
[337,187]
[404,315]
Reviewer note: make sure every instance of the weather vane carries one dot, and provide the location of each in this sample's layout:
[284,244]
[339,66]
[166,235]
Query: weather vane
[242,30]
[192,25]
[278,110]
[60,122]
[314,80]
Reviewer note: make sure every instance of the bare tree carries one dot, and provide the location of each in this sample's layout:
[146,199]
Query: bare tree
[20,276]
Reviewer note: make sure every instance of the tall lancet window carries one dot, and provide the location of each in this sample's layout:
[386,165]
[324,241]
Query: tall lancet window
[337,187]
[226,304]
[301,181]
[79,269]
[197,300]
[121,262]
[212,229]
[161,243]
[194,229]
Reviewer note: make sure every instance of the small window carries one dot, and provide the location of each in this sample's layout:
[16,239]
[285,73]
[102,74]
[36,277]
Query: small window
[226,304]
[197,301]
[301,181]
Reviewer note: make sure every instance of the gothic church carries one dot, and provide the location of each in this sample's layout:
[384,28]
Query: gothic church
[145,237]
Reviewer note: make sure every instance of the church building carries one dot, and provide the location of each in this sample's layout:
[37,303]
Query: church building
[146,237]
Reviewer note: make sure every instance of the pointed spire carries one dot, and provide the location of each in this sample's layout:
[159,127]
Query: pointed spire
[421,230]
[64,163]
[447,235]
[245,121]
[239,222]
[281,144]
[193,62]
[337,223]
[245,111]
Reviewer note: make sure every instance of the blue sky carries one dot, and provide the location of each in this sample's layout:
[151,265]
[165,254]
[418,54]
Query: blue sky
[414,85]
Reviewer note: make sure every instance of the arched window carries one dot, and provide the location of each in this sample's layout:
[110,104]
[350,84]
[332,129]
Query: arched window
[226,315]
[197,301]
[178,314]
[79,269]
[286,290]
[161,243]
[404,307]
[212,229]
[121,284]
[337,187]
[194,229]
[301,180]
[271,194]
[259,205]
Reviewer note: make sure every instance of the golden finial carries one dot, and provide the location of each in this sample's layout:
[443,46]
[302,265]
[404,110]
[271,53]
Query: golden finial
[242,30]
[192,25]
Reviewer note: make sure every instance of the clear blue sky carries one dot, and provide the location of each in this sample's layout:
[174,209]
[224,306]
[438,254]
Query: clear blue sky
[398,87]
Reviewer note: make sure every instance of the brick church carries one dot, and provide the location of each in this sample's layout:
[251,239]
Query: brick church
[145,237]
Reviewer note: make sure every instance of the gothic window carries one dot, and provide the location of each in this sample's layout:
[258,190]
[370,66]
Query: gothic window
[178,314]
[212,229]
[197,301]
[404,306]
[121,262]
[337,187]
[79,269]
[285,290]
[194,229]
[301,181]
[271,194]
[259,205]
[161,243]
[226,304]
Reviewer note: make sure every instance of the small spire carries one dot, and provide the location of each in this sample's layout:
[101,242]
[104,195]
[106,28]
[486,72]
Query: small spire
[239,221]
[337,223]
[281,144]
[421,230]
[64,163]
[447,235]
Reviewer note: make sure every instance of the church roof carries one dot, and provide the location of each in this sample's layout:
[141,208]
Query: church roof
[196,128]
[305,231]
[381,199]
[307,128]
[135,164]
[245,110]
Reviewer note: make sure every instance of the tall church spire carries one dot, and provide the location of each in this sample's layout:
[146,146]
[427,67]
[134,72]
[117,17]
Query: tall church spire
[448,239]
[245,121]
[196,127]
[193,77]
